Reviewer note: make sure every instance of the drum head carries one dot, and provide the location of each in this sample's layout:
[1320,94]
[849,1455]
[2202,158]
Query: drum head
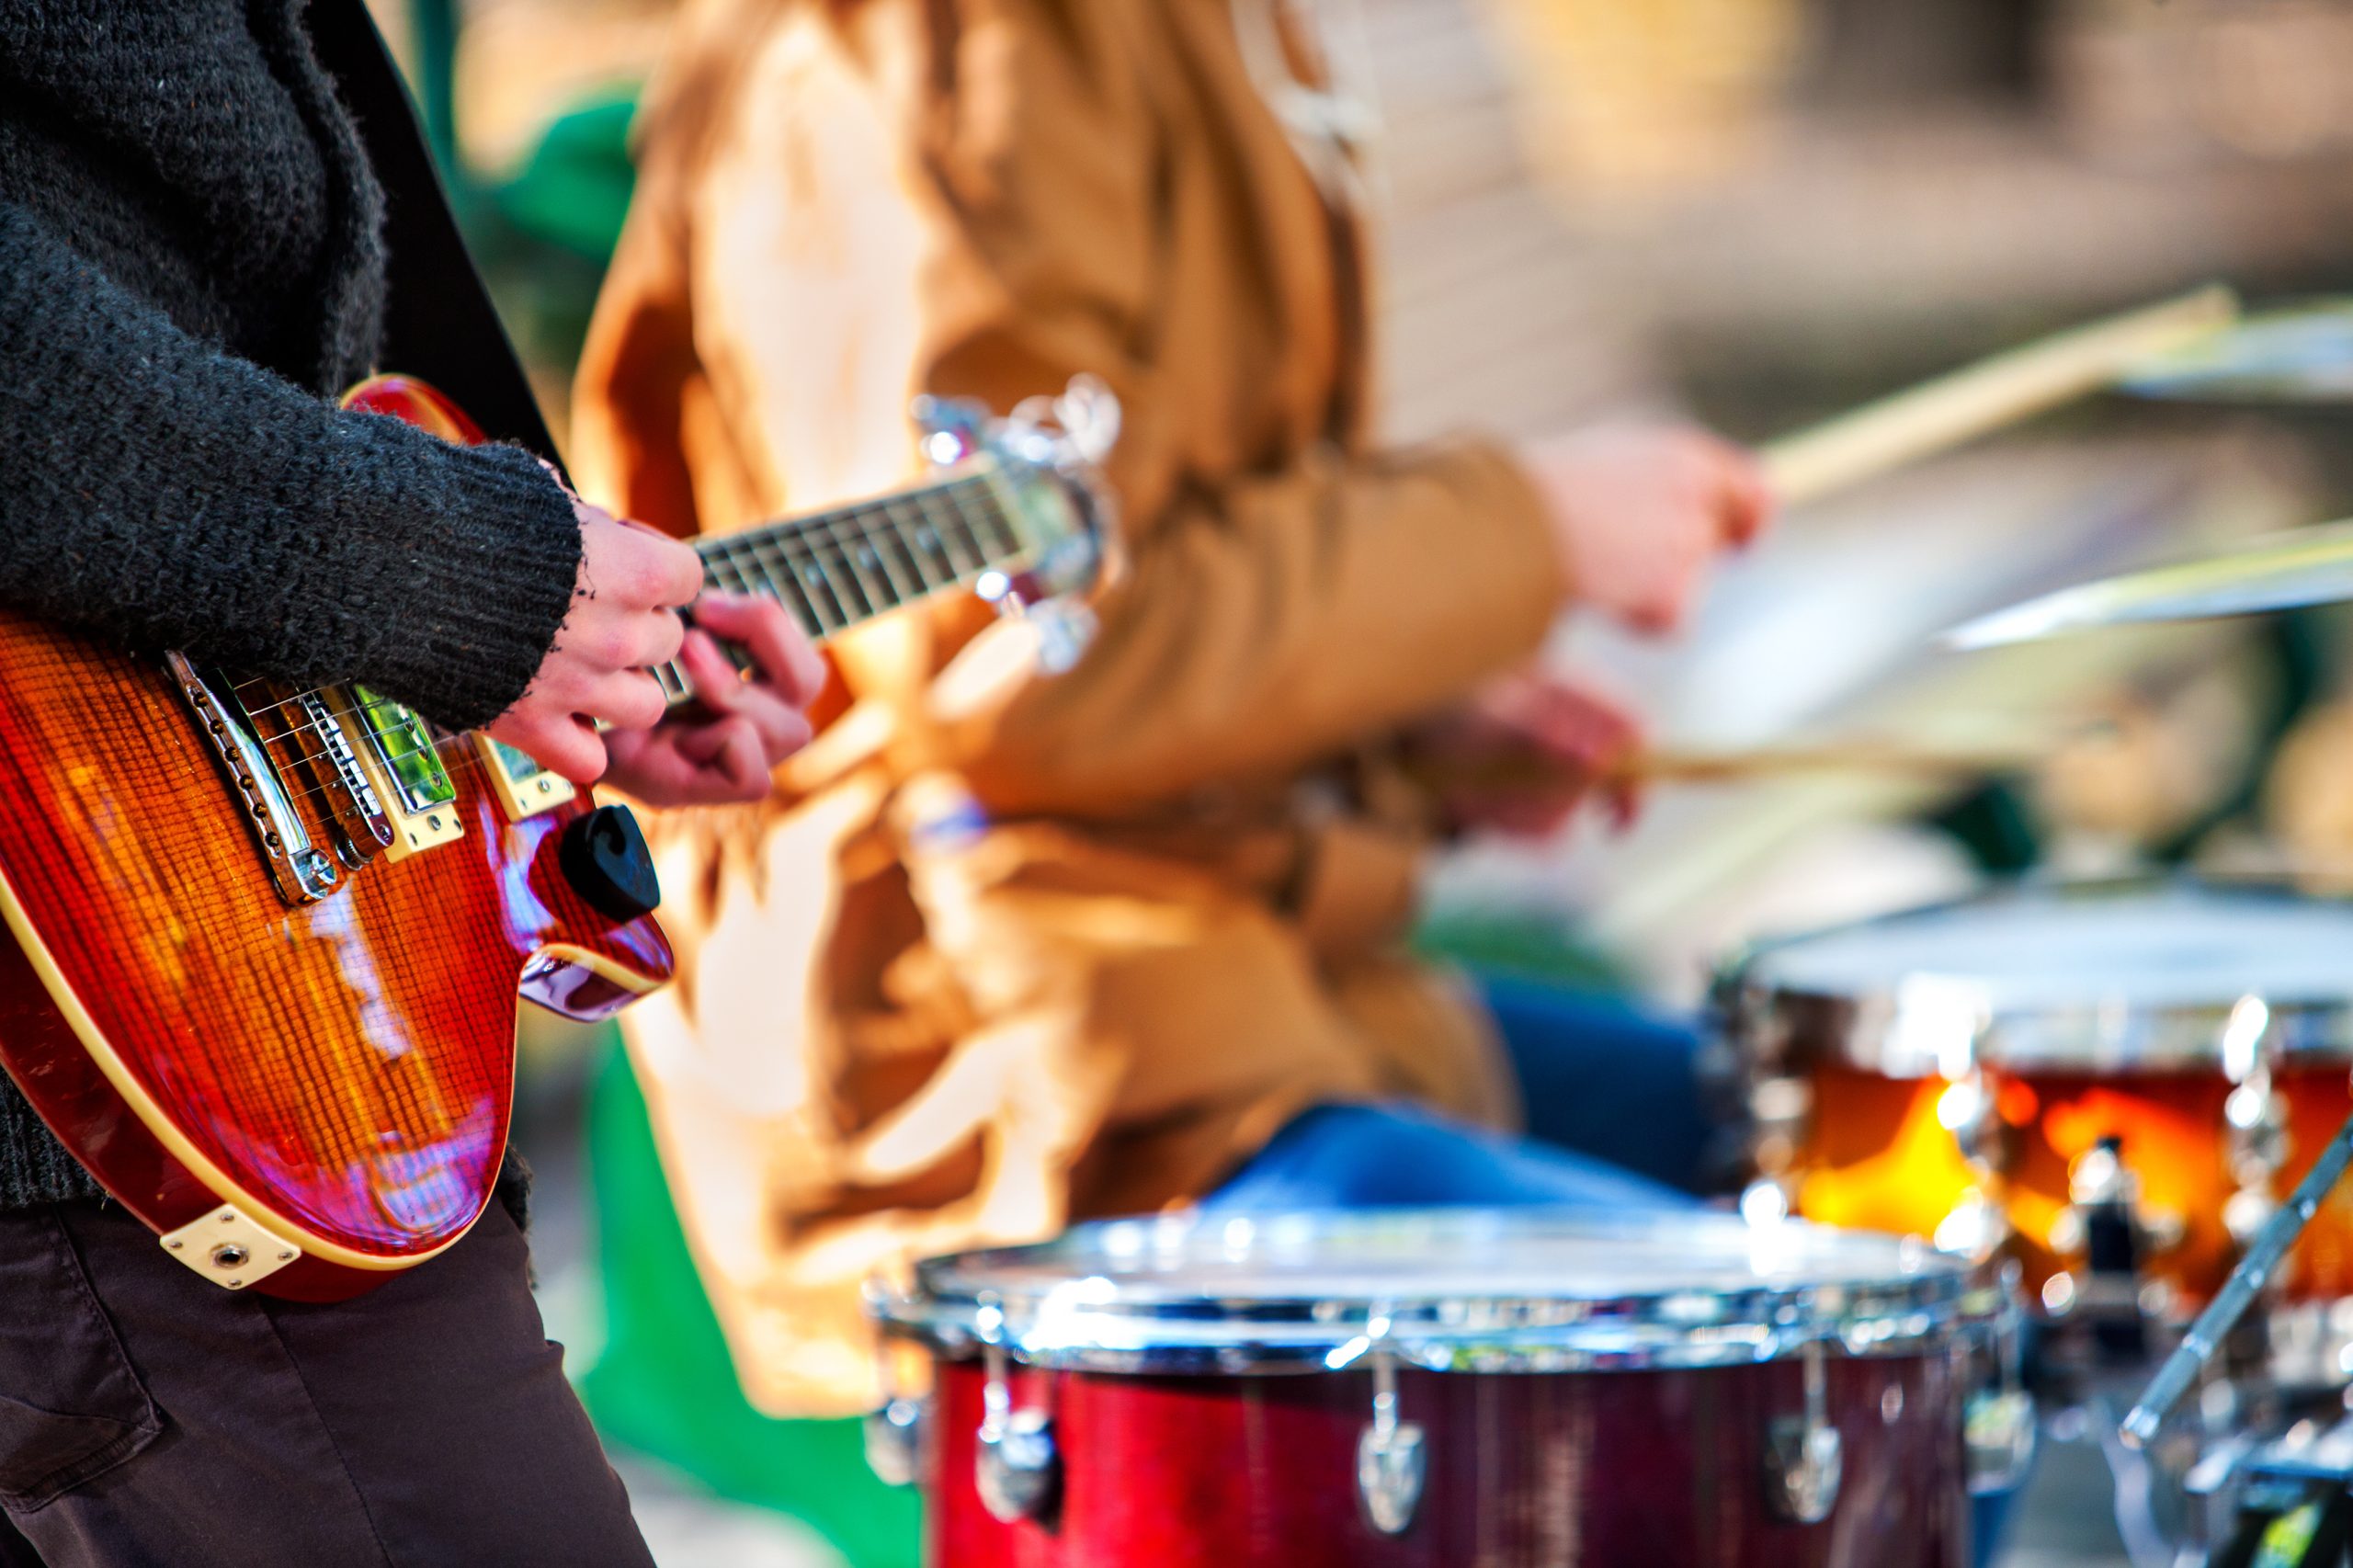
[1464,1289]
[2097,978]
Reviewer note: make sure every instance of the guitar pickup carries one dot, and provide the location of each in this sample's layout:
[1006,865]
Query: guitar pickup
[522,786]
[401,756]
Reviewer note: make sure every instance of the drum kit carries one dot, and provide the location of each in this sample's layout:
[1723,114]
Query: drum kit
[2053,1157]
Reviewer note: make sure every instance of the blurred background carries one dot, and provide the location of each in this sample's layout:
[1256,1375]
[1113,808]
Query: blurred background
[1757,212]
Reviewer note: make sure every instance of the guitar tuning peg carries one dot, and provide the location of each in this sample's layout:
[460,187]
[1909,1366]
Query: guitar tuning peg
[1088,412]
[1065,628]
[954,428]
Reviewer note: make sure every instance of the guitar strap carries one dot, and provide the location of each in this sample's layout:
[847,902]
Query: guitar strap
[439,321]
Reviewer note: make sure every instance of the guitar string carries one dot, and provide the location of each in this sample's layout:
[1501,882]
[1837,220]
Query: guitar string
[453,751]
[770,587]
[461,759]
[804,562]
[785,537]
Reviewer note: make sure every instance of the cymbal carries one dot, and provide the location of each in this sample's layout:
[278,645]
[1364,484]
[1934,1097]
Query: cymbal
[2309,566]
[2302,353]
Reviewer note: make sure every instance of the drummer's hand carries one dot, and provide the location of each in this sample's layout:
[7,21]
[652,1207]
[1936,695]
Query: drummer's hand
[1525,752]
[723,748]
[1640,513]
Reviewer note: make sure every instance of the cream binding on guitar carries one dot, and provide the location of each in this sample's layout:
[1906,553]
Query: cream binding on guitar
[269,941]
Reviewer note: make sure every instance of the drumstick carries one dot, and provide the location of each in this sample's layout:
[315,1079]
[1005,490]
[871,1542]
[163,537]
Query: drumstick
[1669,766]
[1967,402]
[1691,767]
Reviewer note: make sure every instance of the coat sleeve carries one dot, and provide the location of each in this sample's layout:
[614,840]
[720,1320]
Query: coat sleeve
[164,494]
[970,199]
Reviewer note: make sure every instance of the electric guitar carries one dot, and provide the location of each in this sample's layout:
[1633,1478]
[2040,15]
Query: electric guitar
[268,942]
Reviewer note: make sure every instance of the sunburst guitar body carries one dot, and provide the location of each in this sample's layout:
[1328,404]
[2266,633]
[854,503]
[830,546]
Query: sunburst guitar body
[265,944]
[268,943]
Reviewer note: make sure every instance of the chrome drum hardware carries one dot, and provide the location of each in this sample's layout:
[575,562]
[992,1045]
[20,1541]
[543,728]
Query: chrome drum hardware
[1309,1387]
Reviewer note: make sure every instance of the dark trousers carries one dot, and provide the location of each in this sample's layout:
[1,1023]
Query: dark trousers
[149,1419]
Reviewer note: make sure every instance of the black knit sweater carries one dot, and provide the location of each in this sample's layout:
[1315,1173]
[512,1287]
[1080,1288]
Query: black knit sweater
[191,267]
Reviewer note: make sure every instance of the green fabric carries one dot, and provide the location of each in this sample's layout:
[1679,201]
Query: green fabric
[662,1383]
[573,191]
[1531,944]
[544,237]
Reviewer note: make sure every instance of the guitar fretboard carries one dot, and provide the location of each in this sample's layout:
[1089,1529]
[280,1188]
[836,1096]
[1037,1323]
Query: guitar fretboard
[832,570]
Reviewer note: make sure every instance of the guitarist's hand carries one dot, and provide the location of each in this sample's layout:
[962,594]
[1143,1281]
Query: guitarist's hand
[724,749]
[634,580]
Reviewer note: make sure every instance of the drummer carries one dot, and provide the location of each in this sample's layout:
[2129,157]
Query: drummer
[1019,950]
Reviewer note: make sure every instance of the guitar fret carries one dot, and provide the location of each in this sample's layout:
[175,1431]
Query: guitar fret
[939,562]
[878,543]
[899,558]
[991,549]
[834,569]
[958,556]
[857,541]
[785,582]
[779,579]
[723,561]
[741,558]
[809,571]
[846,585]
[1001,513]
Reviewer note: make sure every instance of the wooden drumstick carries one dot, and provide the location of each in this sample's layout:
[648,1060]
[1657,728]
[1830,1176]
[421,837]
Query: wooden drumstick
[1699,767]
[2013,385]
[1669,765]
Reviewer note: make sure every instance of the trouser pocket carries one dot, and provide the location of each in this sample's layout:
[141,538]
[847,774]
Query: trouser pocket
[71,1406]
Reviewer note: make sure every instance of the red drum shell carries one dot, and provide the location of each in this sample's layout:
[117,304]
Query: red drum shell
[1647,1468]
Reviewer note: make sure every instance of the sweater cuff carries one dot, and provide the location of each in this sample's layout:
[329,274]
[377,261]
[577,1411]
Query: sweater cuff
[489,601]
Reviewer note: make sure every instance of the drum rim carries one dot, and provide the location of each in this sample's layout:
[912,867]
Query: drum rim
[1927,1301]
[1854,1029]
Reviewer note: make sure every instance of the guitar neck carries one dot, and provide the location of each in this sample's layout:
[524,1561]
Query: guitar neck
[836,569]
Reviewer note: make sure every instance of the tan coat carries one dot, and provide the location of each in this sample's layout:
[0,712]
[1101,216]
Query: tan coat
[1180,927]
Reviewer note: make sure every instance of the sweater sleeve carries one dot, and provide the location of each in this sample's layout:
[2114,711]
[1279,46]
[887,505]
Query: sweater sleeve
[164,494]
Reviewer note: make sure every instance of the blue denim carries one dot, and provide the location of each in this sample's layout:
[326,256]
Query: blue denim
[1401,1157]
[1614,1120]
[1602,1077]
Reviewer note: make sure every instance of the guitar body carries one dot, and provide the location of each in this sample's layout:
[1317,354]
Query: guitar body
[331,1079]
[263,945]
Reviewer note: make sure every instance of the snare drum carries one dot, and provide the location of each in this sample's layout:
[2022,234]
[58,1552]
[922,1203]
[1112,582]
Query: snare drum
[1502,1388]
[1992,1073]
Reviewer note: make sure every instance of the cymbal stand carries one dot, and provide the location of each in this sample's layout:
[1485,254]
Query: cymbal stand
[2239,1291]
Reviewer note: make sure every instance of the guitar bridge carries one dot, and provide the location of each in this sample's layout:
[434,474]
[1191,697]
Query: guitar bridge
[356,812]
[302,872]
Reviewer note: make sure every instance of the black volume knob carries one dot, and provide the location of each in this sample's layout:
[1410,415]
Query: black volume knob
[604,859]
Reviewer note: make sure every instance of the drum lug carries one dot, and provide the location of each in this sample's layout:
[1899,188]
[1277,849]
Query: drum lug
[1015,1467]
[1998,1427]
[1804,1458]
[2260,1140]
[894,1441]
[1020,1474]
[1393,1462]
[1391,1468]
